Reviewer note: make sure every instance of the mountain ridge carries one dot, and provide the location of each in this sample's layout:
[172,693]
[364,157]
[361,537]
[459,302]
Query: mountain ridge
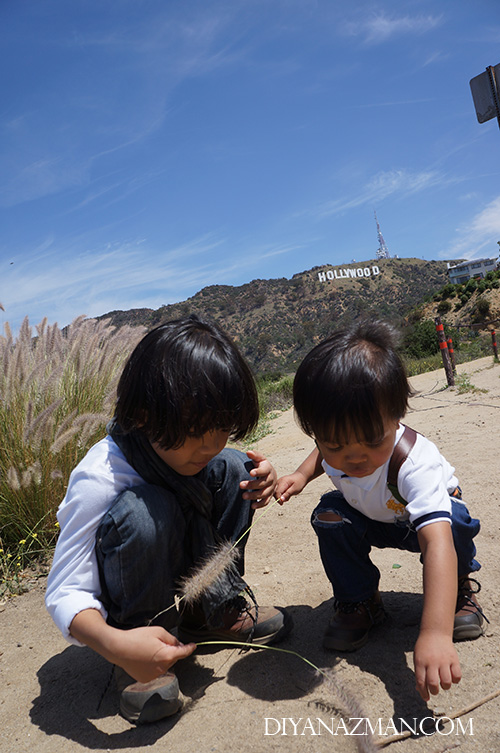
[275,322]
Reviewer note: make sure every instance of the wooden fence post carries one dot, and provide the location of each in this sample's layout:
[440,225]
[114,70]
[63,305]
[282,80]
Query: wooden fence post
[494,344]
[443,346]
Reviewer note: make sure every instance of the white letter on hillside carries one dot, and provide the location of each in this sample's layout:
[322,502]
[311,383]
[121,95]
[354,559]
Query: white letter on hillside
[321,278]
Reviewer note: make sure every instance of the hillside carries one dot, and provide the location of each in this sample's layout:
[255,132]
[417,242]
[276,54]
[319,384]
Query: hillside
[276,322]
[478,313]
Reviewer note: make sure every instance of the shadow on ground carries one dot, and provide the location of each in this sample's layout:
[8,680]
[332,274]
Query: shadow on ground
[77,688]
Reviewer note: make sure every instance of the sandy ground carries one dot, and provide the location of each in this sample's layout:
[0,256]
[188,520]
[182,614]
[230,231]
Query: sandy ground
[54,697]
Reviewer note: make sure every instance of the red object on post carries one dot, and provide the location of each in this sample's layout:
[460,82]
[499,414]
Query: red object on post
[443,345]
[494,343]
[452,355]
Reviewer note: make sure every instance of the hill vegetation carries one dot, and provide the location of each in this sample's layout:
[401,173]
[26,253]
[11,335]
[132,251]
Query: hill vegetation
[469,312]
[277,321]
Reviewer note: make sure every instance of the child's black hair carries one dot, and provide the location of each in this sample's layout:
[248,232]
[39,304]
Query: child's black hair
[351,383]
[184,378]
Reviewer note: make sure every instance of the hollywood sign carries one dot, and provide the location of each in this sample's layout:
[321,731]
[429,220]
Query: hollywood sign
[342,274]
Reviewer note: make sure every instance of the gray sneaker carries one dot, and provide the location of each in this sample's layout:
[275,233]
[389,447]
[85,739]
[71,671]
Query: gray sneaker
[149,701]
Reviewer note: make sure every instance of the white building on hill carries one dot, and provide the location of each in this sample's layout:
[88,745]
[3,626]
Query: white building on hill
[466,270]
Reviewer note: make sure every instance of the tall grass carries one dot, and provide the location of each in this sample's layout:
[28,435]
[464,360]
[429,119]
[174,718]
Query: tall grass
[275,393]
[57,391]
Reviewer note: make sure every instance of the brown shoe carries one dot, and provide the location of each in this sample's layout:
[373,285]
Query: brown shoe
[469,617]
[142,702]
[351,623]
[245,623]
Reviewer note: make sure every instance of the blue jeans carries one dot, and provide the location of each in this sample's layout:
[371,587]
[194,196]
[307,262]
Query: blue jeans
[345,545]
[140,543]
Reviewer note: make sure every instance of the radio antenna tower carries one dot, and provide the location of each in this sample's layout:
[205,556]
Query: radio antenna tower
[382,251]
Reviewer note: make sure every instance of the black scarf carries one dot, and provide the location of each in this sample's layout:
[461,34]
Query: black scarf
[196,502]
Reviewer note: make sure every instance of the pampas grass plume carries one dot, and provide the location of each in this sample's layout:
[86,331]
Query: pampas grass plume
[365,743]
[215,565]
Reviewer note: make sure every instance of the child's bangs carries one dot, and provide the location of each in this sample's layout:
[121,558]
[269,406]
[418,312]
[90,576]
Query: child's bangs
[217,400]
[351,423]
[202,416]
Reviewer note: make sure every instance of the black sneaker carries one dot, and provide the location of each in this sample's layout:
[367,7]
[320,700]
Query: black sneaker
[351,623]
[142,702]
[469,617]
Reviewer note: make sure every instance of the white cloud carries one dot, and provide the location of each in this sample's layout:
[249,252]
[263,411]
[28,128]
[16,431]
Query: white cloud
[379,27]
[62,285]
[478,237]
[382,185]
[123,275]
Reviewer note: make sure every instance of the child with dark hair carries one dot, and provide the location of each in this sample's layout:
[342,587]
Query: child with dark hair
[350,393]
[153,499]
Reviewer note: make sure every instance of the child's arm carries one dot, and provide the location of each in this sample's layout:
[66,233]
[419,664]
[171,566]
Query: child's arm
[144,653]
[310,469]
[435,658]
[263,482]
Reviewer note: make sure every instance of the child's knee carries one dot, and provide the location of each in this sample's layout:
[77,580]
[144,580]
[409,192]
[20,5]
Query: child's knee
[325,518]
[147,515]
[329,517]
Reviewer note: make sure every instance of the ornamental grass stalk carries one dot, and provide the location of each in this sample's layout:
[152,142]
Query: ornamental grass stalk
[57,391]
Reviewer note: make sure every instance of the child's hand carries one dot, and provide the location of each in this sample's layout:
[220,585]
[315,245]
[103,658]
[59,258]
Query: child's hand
[261,487]
[147,652]
[288,486]
[436,664]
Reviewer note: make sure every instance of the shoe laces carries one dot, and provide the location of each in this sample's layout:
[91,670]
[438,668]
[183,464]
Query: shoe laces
[464,596]
[244,607]
[348,607]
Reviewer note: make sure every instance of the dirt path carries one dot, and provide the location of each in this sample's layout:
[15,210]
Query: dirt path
[50,692]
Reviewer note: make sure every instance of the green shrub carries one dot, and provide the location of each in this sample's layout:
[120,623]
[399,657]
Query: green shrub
[420,340]
[449,291]
[481,309]
[443,307]
[275,392]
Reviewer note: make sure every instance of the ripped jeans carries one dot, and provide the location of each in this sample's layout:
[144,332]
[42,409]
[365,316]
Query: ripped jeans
[345,544]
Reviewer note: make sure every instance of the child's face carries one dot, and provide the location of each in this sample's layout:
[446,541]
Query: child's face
[359,459]
[192,456]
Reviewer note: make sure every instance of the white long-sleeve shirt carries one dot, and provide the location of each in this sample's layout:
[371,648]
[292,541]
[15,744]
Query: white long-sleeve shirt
[73,584]
[425,481]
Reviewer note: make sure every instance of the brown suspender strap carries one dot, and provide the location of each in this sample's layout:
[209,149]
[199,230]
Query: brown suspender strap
[399,455]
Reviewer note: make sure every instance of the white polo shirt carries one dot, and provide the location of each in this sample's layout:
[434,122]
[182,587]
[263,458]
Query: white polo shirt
[425,481]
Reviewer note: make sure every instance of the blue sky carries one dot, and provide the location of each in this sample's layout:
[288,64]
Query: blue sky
[152,147]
